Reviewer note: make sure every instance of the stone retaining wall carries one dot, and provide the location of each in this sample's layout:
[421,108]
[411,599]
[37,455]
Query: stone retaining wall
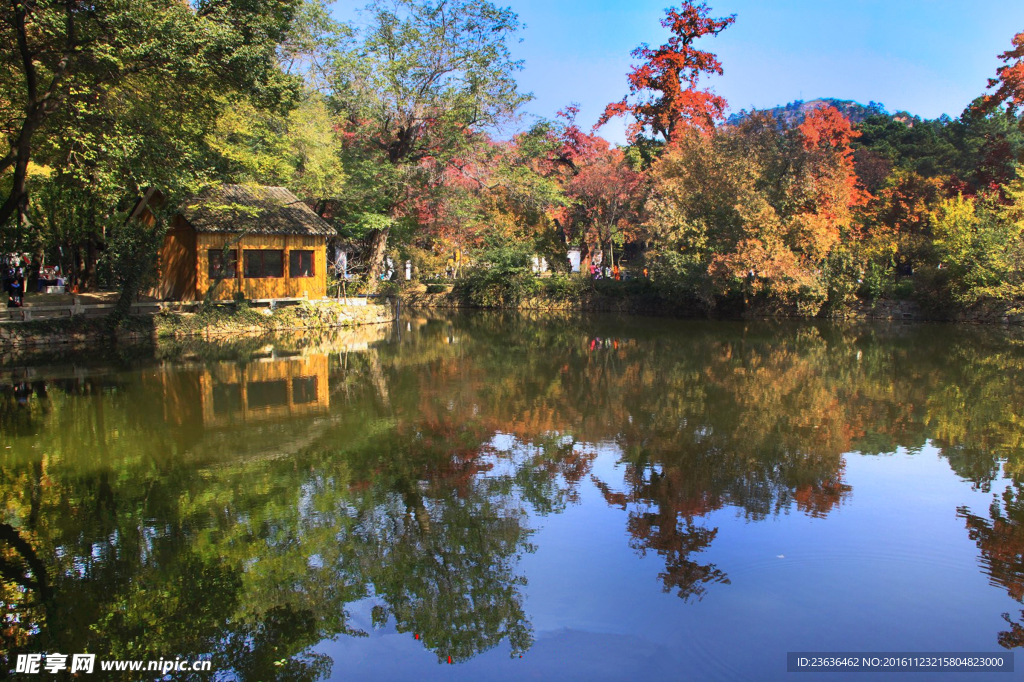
[982,313]
[80,333]
[592,303]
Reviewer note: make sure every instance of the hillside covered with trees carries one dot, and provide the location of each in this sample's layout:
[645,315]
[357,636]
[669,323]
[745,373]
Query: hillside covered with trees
[389,130]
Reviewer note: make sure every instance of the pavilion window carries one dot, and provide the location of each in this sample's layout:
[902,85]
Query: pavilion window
[300,264]
[264,263]
[227,399]
[221,268]
[304,390]
[266,393]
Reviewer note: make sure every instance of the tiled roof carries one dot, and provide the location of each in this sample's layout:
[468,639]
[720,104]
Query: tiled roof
[253,209]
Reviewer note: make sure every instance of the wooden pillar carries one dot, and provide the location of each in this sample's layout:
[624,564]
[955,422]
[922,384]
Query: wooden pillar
[241,268]
[286,271]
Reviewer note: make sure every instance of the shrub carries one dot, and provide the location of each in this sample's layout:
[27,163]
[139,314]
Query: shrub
[878,280]
[502,278]
[565,287]
[681,276]
[904,289]
[622,288]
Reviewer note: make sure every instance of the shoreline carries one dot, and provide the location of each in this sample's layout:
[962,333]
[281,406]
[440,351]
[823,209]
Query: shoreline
[985,313]
[218,325]
[79,332]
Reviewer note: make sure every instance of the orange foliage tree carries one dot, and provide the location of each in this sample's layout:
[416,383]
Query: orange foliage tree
[898,222]
[664,87]
[1009,81]
[826,135]
[755,209]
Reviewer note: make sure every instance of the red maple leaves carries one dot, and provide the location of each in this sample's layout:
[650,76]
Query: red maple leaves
[1009,83]
[828,130]
[664,87]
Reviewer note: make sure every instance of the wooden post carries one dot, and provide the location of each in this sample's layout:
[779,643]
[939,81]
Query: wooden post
[285,263]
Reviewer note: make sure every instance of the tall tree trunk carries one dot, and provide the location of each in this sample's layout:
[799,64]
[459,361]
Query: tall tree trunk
[39,105]
[586,257]
[377,244]
[79,267]
[37,264]
[15,201]
[91,255]
[129,293]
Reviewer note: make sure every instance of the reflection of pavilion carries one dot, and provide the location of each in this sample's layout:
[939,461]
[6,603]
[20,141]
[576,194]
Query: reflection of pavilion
[264,389]
[231,393]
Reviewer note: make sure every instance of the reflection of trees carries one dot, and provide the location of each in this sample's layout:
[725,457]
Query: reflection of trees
[673,534]
[452,581]
[208,543]
[976,410]
[752,416]
[975,418]
[250,541]
[1000,539]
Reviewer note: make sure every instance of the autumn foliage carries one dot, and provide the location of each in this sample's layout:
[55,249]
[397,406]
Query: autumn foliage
[663,94]
[398,137]
[806,211]
[1009,81]
[757,209]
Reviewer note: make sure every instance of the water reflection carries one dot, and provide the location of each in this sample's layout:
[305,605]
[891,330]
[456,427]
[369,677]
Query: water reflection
[236,503]
[1000,539]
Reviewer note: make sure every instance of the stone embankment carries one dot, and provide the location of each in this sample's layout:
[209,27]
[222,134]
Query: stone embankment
[591,302]
[81,332]
[308,315]
[981,313]
[76,333]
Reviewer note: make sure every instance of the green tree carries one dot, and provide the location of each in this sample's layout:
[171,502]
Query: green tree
[979,241]
[300,149]
[414,85]
[67,59]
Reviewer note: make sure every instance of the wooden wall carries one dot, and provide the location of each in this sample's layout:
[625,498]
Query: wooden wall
[285,287]
[178,263]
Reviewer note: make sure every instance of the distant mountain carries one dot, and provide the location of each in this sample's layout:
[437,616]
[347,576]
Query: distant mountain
[793,114]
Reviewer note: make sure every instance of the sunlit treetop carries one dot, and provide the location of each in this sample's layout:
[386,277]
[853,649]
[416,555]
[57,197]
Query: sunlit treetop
[1009,81]
[663,96]
[827,126]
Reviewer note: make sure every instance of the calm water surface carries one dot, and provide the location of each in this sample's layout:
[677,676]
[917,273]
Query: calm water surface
[549,498]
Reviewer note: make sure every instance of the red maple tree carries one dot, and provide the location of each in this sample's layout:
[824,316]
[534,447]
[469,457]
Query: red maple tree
[576,148]
[607,201]
[663,89]
[827,129]
[826,134]
[1009,81]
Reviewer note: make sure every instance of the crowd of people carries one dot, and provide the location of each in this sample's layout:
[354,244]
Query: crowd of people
[15,272]
[614,272]
[15,269]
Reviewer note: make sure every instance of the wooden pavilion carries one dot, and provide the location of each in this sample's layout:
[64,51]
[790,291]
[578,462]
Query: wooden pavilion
[261,241]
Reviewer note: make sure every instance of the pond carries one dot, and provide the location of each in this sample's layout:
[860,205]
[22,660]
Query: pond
[477,497]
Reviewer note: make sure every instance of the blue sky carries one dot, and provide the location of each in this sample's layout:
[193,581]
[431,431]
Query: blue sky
[928,57]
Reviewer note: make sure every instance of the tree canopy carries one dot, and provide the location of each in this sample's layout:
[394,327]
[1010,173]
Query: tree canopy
[404,129]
